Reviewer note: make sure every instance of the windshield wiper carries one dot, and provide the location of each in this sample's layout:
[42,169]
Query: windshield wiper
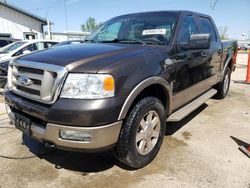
[123,41]
[89,40]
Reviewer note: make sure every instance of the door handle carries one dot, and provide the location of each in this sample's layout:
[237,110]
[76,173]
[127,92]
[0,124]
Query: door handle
[204,54]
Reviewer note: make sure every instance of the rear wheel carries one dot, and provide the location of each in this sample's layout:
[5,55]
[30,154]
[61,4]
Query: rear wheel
[223,86]
[142,133]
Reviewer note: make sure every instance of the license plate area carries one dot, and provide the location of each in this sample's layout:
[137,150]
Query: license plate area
[23,123]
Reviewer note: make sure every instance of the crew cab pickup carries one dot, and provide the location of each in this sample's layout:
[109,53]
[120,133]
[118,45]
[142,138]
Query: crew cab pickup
[120,88]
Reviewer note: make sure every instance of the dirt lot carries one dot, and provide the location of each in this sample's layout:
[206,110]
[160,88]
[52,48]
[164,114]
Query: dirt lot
[200,151]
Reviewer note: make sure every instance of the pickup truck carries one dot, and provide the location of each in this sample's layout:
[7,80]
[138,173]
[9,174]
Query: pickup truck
[120,88]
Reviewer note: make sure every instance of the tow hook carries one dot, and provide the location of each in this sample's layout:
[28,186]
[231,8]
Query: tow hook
[49,145]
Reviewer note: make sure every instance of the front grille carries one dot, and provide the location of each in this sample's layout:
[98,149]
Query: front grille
[37,81]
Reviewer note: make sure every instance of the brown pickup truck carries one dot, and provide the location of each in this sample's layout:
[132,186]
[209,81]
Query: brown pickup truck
[120,88]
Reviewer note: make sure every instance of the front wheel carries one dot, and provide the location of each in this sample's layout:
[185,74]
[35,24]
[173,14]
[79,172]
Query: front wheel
[142,133]
[223,86]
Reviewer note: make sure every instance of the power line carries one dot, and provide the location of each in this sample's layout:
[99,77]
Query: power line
[45,8]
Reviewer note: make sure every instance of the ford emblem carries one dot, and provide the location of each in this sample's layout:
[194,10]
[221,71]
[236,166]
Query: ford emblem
[24,81]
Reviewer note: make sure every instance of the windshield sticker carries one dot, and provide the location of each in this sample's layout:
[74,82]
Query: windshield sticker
[154,32]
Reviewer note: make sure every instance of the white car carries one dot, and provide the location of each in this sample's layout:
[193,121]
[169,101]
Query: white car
[23,47]
[16,49]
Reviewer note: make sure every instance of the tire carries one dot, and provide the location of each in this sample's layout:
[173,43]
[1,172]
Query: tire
[139,153]
[223,86]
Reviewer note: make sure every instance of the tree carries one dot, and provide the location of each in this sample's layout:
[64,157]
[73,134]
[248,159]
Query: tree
[90,25]
[223,32]
[213,4]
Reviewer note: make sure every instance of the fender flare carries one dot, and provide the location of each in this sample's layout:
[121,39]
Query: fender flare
[230,57]
[140,87]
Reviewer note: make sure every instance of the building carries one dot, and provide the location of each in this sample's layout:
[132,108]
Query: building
[71,35]
[19,23]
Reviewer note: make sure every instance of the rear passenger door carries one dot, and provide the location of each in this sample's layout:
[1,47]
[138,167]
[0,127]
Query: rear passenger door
[189,63]
[214,53]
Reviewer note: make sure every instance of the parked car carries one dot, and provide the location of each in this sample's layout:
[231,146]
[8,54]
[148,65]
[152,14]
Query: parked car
[69,42]
[4,41]
[117,91]
[246,46]
[17,49]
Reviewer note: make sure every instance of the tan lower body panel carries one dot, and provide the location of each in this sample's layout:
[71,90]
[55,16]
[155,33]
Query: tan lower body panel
[101,136]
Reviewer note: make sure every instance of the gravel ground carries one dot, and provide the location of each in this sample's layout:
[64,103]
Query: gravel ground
[200,151]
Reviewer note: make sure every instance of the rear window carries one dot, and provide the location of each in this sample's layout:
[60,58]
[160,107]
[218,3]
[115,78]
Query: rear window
[207,27]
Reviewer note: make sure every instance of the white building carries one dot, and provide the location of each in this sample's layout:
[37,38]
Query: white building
[19,23]
[71,35]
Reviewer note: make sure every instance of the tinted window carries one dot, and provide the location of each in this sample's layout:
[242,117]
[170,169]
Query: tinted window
[188,27]
[3,43]
[207,27]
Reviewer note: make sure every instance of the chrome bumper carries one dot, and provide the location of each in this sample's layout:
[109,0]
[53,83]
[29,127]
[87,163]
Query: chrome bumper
[101,137]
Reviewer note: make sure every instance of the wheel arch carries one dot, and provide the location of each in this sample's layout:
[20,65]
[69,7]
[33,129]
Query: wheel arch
[141,87]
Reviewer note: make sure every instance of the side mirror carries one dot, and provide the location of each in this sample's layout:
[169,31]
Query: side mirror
[197,42]
[26,51]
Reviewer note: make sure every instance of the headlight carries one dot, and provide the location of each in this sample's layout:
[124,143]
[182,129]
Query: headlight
[88,86]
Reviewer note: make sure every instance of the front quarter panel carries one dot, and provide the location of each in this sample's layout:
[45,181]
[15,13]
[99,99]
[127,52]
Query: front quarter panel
[138,71]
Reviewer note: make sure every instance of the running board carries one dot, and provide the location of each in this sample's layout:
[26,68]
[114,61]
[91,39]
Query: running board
[190,107]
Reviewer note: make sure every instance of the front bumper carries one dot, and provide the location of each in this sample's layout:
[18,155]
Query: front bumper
[95,117]
[102,137]
[71,112]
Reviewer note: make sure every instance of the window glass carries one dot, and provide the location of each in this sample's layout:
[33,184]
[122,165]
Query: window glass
[3,43]
[207,27]
[11,47]
[110,32]
[188,27]
[144,28]
[49,44]
[20,52]
[41,46]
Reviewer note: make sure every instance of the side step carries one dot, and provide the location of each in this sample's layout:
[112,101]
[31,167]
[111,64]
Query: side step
[190,107]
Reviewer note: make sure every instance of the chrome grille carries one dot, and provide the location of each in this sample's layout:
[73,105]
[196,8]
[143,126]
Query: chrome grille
[36,81]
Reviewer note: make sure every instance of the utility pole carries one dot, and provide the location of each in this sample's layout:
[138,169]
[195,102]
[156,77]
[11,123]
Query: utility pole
[66,18]
[49,29]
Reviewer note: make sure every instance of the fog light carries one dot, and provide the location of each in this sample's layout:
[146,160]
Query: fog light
[75,135]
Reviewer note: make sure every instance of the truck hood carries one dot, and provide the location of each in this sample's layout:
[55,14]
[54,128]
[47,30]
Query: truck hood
[86,57]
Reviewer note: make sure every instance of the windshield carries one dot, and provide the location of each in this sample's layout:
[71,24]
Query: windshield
[11,47]
[153,28]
